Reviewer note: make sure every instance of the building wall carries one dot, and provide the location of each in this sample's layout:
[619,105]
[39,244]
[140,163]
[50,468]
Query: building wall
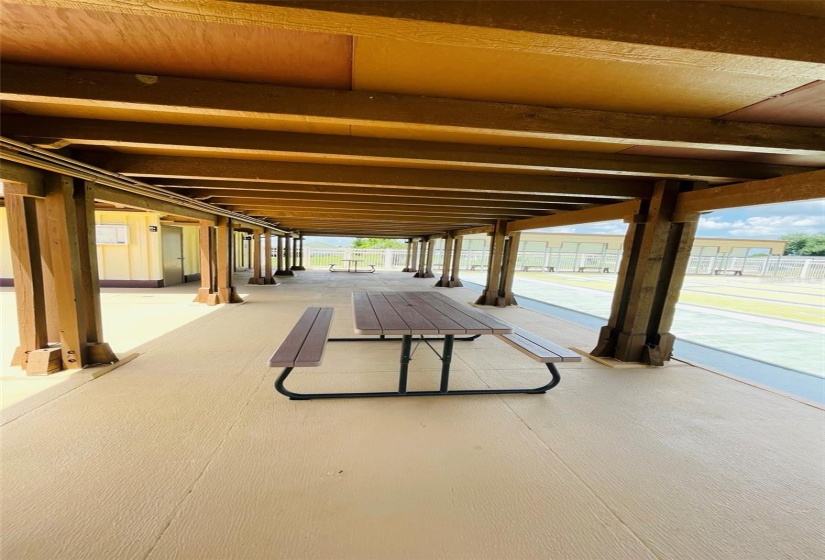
[133,261]
[708,245]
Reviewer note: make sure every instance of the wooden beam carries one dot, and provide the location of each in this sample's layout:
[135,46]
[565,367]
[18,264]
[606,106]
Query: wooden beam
[685,34]
[473,230]
[26,264]
[21,179]
[604,213]
[351,175]
[401,202]
[804,186]
[203,189]
[115,196]
[121,90]
[52,132]
[366,218]
[369,209]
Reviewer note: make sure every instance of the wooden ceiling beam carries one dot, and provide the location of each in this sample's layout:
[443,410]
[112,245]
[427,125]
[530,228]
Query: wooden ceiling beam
[121,90]
[369,218]
[388,211]
[387,202]
[805,186]
[52,132]
[682,34]
[351,175]
[618,211]
[199,188]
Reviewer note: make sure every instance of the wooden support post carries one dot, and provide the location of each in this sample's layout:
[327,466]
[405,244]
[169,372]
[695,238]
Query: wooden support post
[408,260]
[650,277]
[268,278]
[206,242]
[455,281]
[224,243]
[28,278]
[494,265]
[256,258]
[299,253]
[425,260]
[294,265]
[288,256]
[446,266]
[280,269]
[52,318]
[508,271]
[98,352]
[70,216]
[414,256]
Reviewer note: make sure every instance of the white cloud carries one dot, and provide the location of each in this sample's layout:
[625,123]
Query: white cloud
[761,226]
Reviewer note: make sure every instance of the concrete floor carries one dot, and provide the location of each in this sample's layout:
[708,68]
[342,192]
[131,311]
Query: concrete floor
[188,452]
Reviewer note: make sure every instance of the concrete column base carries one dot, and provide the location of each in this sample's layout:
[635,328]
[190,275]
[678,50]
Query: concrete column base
[100,353]
[203,295]
[297,267]
[284,273]
[229,295]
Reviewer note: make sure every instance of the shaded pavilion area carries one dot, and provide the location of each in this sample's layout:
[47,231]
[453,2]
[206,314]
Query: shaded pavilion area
[419,121]
[187,451]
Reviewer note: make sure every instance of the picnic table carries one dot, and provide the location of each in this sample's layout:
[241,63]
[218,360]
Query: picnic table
[352,266]
[427,316]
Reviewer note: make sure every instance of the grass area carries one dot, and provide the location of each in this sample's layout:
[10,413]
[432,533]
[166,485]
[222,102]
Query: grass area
[804,303]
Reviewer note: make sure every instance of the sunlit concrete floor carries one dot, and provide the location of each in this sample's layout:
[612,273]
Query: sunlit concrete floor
[187,451]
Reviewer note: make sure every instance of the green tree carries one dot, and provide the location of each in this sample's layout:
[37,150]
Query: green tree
[375,243]
[805,244]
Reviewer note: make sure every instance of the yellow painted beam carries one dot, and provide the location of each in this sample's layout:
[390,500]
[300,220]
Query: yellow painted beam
[350,175]
[120,90]
[684,34]
[328,148]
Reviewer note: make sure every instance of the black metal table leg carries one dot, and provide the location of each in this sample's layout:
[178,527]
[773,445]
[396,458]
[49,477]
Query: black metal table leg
[406,347]
[446,358]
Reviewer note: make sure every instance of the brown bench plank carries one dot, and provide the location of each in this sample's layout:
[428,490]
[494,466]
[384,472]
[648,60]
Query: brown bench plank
[312,351]
[391,322]
[366,321]
[538,348]
[408,312]
[489,322]
[444,324]
[286,354]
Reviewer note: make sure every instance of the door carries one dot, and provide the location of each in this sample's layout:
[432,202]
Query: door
[172,240]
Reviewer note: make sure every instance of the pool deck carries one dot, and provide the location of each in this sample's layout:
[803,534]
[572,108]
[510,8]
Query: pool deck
[187,451]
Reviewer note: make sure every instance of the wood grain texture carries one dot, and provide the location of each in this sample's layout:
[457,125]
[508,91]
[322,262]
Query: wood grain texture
[755,45]
[538,348]
[179,47]
[312,350]
[285,146]
[119,91]
[288,351]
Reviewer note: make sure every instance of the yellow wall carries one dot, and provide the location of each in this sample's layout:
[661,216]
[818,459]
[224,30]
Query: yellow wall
[191,250]
[5,249]
[141,258]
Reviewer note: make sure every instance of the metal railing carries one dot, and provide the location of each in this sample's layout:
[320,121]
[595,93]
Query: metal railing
[774,266]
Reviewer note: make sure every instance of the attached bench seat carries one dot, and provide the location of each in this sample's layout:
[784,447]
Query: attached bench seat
[304,345]
[541,350]
[538,348]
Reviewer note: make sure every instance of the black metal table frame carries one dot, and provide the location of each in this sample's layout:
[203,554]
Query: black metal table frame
[406,356]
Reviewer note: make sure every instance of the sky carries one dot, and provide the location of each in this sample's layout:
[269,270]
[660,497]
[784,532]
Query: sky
[770,221]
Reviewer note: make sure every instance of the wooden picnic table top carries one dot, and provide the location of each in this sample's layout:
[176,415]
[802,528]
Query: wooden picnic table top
[419,313]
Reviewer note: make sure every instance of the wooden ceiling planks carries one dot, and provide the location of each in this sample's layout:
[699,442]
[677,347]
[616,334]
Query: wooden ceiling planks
[456,158]
[176,47]
[803,106]
[415,68]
